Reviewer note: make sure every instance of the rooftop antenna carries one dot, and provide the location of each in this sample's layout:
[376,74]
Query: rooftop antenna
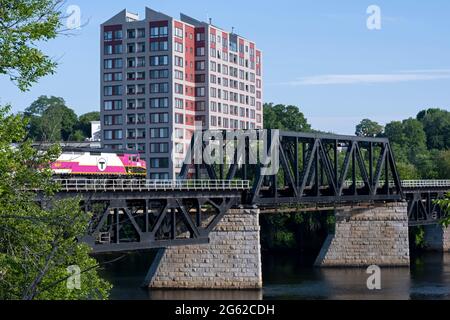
[232,29]
[210,20]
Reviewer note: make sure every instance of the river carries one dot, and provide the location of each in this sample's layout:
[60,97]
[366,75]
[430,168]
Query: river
[291,276]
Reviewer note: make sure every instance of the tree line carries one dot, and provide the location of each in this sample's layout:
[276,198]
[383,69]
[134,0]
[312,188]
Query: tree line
[421,145]
[51,120]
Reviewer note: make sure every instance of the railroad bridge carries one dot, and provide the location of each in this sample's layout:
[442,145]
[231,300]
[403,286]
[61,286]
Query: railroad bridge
[206,222]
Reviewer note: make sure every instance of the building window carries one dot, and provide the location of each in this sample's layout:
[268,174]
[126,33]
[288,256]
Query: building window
[156,32]
[131,33]
[131,134]
[141,104]
[159,103]
[159,176]
[113,134]
[179,148]
[179,133]
[179,32]
[159,46]
[141,118]
[112,35]
[159,118]
[159,60]
[178,47]
[112,90]
[179,103]
[109,77]
[110,120]
[179,61]
[141,33]
[200,36]
[158,133]
[200,91]
[199,65]
[179,118]
[141,62]
[159,87]
[179,75]
[131,104]
[200,51]
[113,63]
[200,106]
[159,74]
[159,147]
[131,119]
[179,88]
[112,105]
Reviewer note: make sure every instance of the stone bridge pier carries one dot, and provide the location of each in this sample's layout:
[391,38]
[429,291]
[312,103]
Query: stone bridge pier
[232,260]
[437,238]
[374,236]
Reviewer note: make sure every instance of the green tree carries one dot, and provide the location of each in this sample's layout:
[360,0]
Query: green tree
[38,245]
[51,120]
[394,131]
[284,117]
[443,164]
[445,206]
[23,24]
[408,139]
[84,123]
[436,123]
[368,128]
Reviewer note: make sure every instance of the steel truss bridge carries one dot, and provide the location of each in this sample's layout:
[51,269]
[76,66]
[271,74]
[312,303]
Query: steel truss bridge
[316,172]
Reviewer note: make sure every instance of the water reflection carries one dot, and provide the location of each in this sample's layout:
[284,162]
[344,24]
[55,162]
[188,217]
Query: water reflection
[291,276]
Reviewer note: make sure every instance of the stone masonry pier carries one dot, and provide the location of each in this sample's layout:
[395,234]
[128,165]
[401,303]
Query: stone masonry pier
[437,238]
[364,237]
[232,259]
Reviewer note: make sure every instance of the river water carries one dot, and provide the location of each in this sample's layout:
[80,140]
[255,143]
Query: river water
[291,276]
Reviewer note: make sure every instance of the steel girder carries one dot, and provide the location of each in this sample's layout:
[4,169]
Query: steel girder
[314,168]
[127,221]
[422,207]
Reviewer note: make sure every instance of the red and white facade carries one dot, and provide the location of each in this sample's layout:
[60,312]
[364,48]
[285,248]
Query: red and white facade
[160,75]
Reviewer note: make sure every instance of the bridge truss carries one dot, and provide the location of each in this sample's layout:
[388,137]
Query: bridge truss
[138,214]
[313,168]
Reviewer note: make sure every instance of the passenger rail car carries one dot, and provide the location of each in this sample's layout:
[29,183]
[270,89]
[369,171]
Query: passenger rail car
[78,163]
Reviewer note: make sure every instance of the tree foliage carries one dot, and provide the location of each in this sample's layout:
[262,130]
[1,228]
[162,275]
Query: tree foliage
[283,117]
[368,128]
[436,124]
[37,245]
[421,145]
[23,24]
[51,120]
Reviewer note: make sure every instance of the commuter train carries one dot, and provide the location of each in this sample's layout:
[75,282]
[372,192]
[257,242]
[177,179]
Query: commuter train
[97,163]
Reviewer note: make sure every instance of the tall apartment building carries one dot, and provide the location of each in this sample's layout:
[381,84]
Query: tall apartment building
[160,75]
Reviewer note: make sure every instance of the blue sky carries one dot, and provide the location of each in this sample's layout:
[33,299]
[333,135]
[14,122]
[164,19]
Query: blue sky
[318,55]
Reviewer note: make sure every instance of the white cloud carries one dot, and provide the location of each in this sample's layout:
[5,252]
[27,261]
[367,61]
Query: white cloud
[343,79]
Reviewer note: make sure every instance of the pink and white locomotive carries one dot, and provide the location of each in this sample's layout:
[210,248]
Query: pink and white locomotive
[90,163]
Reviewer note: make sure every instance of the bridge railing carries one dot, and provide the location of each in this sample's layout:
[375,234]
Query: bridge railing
[136,185]
[426,184]
[410,184]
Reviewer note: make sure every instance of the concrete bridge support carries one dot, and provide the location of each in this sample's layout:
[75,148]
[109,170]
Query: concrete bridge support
[232,259]
[437,238]
[373,236]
